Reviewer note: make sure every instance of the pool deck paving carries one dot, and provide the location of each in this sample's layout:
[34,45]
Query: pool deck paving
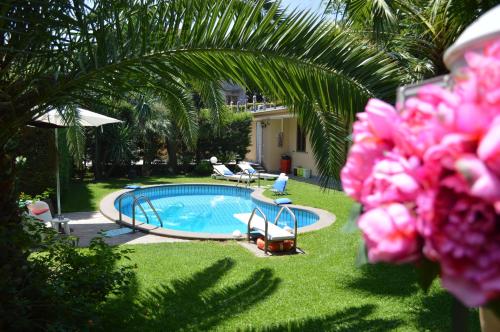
[88,225]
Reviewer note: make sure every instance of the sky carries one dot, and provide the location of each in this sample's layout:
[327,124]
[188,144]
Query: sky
[313,5]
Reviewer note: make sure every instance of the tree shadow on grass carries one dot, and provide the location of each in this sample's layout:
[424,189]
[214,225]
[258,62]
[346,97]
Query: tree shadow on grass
[188,304]
[351,319]
[435,313]
[76,197]
[383,279]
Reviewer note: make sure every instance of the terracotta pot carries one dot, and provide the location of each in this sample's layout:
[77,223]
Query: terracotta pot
[489,321]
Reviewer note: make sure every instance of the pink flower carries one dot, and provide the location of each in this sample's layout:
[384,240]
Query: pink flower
[470,119]
[464,238]
[429,178]
[450,148]
[359,165]
[381,118]
[371,133]
[489,147]
[390,181]
[426,120]
[481,181]
[390,234]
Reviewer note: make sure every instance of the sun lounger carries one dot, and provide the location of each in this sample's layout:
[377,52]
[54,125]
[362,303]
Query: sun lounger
[41,211]
[247,168]
[222,172]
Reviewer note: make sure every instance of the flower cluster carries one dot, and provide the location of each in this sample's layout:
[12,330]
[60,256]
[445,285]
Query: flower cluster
[428,177]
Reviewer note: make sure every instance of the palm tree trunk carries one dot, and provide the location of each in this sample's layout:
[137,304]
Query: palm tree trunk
[13,240]
[148,155]
[146,165]
[172,155]
[9,213]
[97,156]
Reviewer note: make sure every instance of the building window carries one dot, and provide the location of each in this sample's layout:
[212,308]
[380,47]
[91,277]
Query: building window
[301,140]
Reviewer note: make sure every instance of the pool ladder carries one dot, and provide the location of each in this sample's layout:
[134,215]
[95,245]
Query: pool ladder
[137,202]
[248,181]
[266,230]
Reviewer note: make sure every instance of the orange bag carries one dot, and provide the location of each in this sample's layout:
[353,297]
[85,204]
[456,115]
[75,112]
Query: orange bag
[275,246]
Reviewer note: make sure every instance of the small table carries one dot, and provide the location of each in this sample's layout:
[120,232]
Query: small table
[56,222]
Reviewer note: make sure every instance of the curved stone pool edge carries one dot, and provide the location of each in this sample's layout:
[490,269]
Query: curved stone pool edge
[108,209]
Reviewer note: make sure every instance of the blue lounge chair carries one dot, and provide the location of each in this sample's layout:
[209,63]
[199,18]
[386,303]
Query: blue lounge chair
[279,185]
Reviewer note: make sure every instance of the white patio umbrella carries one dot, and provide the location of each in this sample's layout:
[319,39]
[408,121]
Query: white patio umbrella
[56,119]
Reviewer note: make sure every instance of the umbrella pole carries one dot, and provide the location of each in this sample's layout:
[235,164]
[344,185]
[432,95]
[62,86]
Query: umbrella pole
[58,182]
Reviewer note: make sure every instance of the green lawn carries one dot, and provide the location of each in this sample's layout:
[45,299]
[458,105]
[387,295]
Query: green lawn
[86,195]
[221,286]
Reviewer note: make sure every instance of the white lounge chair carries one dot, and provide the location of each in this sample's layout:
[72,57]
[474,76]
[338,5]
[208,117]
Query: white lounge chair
[222,172]
[247,168]
[41,211]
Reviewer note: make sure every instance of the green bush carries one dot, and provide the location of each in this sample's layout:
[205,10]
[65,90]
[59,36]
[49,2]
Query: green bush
[203,168]
[37,171]
[25,198]
[227,142]
[37,160]
[64,285]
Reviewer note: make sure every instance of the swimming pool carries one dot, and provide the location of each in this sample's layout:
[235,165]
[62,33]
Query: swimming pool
[198,208]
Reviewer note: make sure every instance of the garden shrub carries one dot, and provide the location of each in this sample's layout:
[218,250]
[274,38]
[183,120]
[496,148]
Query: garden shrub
[63,285]
[228,142]
[204,167]
[38,171]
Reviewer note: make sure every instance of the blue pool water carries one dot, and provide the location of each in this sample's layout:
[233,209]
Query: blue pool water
[206,208]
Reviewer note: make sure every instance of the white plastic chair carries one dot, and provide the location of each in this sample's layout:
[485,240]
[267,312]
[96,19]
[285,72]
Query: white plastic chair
[41,211]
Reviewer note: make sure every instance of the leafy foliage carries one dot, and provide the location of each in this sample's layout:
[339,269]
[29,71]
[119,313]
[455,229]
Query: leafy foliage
[37,172]
[125,45]
[25,198]
[64,285]
[60,52]
[416,33]
[228,141]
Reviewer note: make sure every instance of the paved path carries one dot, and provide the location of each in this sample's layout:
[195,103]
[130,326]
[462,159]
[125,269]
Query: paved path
[87,225]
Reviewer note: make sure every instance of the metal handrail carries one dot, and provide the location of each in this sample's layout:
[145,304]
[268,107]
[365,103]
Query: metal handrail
[256,209]
[133,213]
[130,193]
[290,212]
[266,225]
[137,203]
[249,178]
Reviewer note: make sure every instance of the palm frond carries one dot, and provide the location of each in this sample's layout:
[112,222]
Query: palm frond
[299,58]
[211,95]
[183,115]
[75,136]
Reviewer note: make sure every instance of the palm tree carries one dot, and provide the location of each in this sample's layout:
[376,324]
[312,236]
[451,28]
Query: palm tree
[61,52]
[416,32]
[164,118]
